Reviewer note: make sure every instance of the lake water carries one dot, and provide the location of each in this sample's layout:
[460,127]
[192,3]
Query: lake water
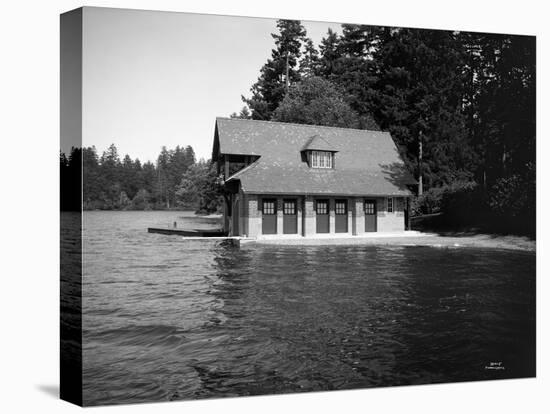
[167,319]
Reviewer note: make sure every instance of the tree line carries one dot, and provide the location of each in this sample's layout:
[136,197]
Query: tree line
[176,181]
[460,106]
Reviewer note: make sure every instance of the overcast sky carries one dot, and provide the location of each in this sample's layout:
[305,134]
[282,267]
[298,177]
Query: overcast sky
[160,78]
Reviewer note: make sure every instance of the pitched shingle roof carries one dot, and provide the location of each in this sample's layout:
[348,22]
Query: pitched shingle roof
[366,163]
[317,143]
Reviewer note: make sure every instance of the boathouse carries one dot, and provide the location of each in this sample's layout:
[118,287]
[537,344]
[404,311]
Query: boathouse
[304,180]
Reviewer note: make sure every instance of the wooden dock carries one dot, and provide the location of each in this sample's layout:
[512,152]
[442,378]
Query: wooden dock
[212,235]
[187,233]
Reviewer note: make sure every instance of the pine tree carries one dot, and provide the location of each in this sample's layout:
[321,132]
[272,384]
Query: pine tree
[418,95]
[149,179]
[350,65]
[279,72]
[309,64]
[190,157]
[92,179]
[243,114]
[163,177]
[330,54]
[110,183]
[499,102]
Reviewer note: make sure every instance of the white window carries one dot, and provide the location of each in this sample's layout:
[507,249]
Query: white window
[390,205]
[321,159]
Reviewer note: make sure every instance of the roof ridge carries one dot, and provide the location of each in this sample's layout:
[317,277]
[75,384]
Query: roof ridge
[296,124]
[313,144]
[317,136]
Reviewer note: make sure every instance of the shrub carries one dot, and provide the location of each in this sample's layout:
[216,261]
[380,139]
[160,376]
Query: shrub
[140,201]
[514,196]
[463,203]
[428,203]
[508,206]
[200,188]
[123,201]
[512,199]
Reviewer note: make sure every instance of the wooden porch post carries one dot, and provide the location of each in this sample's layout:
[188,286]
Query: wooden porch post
[408,213]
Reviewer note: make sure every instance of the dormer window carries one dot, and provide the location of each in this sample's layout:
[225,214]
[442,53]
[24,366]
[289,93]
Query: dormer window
[318,152]
[321,159]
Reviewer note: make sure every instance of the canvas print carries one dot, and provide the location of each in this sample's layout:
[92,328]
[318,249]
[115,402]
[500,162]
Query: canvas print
[258,206]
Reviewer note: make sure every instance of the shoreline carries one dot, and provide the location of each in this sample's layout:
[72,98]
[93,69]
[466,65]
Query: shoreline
[488,241]
[194,214]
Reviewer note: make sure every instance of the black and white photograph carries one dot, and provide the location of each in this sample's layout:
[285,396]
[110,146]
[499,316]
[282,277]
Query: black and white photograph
[334,206]
[240,207]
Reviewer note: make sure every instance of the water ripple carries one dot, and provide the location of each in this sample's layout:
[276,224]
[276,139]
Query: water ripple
[166,319]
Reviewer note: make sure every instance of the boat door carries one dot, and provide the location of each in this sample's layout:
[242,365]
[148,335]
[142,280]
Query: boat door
[370,215]
[269,216]
[290,217]
[322,216]
[341,220]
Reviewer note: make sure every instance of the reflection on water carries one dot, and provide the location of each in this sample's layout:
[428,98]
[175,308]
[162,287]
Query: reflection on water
[168,319]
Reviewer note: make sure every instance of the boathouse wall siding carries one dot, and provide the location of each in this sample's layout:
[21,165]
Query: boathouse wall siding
[331,216]
[245,209]
[300,212]
[390,222]
[253,216]
[242,216]
[279,215]
[250,211]
[309,219]
[358,219]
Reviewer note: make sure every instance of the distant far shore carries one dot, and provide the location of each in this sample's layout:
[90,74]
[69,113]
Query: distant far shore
[175,210]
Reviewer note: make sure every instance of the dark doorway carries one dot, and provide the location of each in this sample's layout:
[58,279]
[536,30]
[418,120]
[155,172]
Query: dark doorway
[236,210]
[341,222]
[322,216]
[370,215]
[269,216]
[290,217]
